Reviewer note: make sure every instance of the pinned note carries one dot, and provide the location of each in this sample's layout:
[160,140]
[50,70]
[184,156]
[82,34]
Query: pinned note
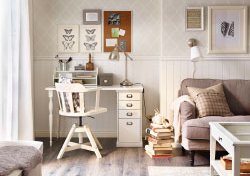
[122,32]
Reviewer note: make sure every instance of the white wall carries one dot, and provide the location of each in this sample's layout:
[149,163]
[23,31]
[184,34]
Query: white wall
[144,69]
[175,65]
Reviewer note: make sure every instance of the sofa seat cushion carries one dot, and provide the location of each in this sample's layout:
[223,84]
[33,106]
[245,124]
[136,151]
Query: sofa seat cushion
[199,128]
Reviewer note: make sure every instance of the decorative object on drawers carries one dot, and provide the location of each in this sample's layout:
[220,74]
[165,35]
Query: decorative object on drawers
[87,78]
[105,79]
[234,137]
[129,114]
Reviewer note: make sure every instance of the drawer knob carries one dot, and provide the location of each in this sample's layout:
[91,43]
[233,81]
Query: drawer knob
[129,114]
[220,139]
[129,123]
[129,105]
[129,96]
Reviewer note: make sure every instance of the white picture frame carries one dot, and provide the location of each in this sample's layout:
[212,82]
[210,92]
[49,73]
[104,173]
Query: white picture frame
[227,29]
[92,16]
[68,38]
[90,38]
[194,18]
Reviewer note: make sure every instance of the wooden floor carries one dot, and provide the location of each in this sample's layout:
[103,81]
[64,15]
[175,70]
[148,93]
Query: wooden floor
[115,161]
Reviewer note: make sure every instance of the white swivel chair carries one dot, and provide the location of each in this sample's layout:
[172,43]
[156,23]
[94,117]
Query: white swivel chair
[71,102]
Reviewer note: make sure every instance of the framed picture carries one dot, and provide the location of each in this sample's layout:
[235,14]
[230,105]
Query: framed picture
[68,38]
[90,38]
[92,16]
[194,18]
[227,29]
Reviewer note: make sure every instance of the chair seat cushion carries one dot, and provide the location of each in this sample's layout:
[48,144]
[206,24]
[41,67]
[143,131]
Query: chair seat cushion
[199,128]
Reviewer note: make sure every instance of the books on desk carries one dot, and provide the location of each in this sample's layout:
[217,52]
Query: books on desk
[160,139]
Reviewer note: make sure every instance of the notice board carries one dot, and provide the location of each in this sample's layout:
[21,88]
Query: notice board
[117,30]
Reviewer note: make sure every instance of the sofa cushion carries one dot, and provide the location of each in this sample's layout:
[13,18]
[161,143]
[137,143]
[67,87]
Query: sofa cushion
[210,101]
[236,91]
[199,128]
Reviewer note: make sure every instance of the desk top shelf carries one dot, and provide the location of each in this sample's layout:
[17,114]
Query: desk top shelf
[85,77]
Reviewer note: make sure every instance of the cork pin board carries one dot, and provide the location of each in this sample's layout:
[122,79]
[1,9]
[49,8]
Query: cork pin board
[117,30]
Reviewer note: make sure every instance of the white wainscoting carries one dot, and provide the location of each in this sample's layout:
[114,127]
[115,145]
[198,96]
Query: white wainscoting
[174,70]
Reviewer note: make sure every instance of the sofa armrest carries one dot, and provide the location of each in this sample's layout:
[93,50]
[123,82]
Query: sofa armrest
[187,112]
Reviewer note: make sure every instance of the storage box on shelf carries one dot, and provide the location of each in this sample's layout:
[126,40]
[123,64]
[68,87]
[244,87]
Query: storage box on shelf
[85,77]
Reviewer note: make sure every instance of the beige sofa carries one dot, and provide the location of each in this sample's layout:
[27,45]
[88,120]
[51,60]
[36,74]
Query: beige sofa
[196,131]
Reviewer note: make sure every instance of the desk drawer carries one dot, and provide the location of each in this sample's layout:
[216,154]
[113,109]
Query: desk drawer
[129,114]
[129,96]
[129,104]
[129,130]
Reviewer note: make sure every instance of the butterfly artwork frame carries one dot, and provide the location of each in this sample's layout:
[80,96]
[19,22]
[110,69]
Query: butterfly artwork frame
[68,38]
[227,29]
[90,38]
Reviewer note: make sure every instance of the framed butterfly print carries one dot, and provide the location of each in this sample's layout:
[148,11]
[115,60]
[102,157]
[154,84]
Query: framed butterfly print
[90,38]
[227,29]
[68,38]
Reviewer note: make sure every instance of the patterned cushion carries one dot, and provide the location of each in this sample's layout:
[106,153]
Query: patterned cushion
[210,101]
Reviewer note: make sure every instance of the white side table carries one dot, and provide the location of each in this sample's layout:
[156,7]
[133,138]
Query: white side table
[233,137]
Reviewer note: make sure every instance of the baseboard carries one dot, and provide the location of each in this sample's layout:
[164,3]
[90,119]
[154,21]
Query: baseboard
[105,134]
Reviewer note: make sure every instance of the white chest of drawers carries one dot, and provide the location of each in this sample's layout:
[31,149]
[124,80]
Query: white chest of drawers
[129,114]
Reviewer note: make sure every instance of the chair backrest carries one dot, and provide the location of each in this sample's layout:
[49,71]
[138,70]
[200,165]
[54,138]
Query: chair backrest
[71,97]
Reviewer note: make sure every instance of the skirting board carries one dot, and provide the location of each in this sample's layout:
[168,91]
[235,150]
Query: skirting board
[105,134]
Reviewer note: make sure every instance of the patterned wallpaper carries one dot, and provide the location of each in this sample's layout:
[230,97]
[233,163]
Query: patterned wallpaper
[49,13]
[174,34]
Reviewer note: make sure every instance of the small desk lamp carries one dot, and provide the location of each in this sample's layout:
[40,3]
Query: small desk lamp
[195,53]
[114,55]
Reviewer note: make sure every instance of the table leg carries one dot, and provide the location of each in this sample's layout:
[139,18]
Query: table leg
[50,94]
[212,153]
[236,162]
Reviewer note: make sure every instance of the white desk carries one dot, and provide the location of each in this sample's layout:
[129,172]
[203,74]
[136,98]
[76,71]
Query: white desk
[129,114]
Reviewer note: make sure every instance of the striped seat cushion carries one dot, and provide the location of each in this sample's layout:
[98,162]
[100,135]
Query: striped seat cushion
[210,101]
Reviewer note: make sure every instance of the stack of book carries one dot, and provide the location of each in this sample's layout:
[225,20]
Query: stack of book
[226,161]
[160,139]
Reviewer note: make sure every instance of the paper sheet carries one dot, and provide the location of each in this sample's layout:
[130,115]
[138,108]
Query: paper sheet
[122,32]
[111,42]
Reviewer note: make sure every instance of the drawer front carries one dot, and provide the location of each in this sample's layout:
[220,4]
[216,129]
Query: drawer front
[129,96]
[129,130]
[222,139]
[129,113]
[129,104]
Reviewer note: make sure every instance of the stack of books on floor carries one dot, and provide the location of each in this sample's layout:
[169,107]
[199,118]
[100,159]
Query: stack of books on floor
[160,139]
[226,161]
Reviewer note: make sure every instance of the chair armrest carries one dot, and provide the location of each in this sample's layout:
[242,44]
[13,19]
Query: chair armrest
[187,112]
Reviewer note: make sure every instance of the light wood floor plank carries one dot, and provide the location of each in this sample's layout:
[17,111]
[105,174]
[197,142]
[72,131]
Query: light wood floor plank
[115,161]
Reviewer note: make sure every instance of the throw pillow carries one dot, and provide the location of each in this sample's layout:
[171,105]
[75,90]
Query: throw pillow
[210,101]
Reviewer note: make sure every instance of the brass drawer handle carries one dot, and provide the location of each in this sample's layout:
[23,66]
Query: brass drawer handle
[129,105]
[129,123]
[129,96]
[129,114]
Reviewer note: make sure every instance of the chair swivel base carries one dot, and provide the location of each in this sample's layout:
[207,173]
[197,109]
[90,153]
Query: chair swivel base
[69,146]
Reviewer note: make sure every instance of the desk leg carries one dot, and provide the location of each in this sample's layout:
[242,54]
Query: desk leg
[212,153]
[50,94]
[236,162]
